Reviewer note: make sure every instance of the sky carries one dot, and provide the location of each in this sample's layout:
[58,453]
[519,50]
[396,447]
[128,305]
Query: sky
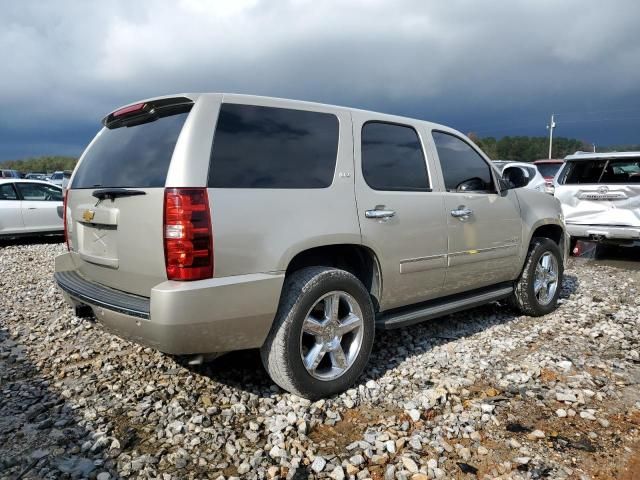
[494,67]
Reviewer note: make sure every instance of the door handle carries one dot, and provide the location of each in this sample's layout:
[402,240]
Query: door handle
[461,212]
[379,214]
[31,208]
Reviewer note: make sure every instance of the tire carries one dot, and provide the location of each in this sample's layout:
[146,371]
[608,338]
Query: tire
[524,297]
[306,294]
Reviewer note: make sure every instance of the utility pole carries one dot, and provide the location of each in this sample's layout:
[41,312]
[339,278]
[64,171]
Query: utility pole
[551,126]
[594,148]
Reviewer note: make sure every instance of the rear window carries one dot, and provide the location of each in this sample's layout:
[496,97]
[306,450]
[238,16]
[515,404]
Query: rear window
[601,171]
[548,169]
[131,156]
[266,147]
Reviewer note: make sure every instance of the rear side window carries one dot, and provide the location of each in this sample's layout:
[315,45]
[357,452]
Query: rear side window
[601,171]
[464,170]
[266,147]
[392,158]
[131,156]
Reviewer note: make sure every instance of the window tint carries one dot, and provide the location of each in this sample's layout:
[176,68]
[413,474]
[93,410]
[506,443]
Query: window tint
[131,156]
[39,191]
[7,192]
[265,147]
[549,169]
[392,158]
[462,167]
[602,171]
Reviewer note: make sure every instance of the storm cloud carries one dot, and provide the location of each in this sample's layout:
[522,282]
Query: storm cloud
[494,67]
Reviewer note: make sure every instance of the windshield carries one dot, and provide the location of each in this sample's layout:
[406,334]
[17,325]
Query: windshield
[610,171]
[548,169]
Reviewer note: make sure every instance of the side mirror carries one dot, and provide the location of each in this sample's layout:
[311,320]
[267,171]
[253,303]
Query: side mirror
[515,177]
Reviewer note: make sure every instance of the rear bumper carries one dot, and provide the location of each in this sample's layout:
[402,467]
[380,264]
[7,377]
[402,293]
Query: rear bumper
[603,232]
[207,316]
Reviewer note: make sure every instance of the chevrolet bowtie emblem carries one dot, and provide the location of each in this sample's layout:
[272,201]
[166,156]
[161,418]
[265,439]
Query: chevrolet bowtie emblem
[88,215]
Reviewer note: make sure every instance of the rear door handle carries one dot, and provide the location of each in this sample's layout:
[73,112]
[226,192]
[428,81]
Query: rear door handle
[379,214]
[461,212]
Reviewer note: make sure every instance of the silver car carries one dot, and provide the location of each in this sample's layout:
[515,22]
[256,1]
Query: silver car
[29,207]
[203,223]
[600,196]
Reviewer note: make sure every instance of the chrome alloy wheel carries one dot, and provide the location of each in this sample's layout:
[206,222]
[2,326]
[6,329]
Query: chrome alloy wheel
[546,278]
[331,336]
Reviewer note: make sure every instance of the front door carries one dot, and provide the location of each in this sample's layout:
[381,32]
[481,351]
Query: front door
[40,206]
[401,218]
[10,210]
[483,224]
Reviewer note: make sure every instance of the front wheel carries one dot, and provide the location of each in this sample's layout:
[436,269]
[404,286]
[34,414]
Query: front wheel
[322,334]
[536,292]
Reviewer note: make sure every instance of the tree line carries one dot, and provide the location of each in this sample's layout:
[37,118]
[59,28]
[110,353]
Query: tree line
[523,149]
[528,149]
[46,164]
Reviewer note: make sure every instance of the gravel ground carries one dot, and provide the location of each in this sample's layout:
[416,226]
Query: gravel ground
[484,393]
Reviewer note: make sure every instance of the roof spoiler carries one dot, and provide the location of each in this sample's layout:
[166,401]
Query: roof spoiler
[146,111]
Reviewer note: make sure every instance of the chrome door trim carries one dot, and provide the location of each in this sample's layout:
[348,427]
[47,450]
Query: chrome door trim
[480,250]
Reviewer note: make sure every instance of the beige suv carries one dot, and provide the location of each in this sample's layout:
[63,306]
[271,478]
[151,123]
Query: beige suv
[204,223]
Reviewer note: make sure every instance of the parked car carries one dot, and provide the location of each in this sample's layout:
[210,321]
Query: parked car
[208,223]
[35,176]
[29,207]
[600,196]
[66,176]
[534,180]
[548,169]
[56,178]
[6,173]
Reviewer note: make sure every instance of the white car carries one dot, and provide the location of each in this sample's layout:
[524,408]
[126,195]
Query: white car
[56,178]
[535,180]
[29,207]
[600,196]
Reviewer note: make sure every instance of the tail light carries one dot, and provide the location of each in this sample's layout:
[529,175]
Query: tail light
[65,199]
[188,240]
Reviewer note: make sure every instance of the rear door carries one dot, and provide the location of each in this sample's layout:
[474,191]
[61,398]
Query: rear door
[10,210]
[484,227]
[41,206]
[401,217]
[600,191]
[116,198]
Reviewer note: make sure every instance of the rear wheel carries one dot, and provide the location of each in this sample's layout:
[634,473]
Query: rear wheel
[536,291]
[322,335]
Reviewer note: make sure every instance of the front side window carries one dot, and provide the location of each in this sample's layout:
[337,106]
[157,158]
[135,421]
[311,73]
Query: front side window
[39,192]
[7,192]
[268,147]
[392,158]
[464,170]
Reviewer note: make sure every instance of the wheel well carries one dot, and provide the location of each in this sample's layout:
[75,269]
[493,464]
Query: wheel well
[355,259]
[552,232]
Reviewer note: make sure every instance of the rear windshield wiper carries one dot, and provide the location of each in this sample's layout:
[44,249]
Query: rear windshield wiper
[113,193]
